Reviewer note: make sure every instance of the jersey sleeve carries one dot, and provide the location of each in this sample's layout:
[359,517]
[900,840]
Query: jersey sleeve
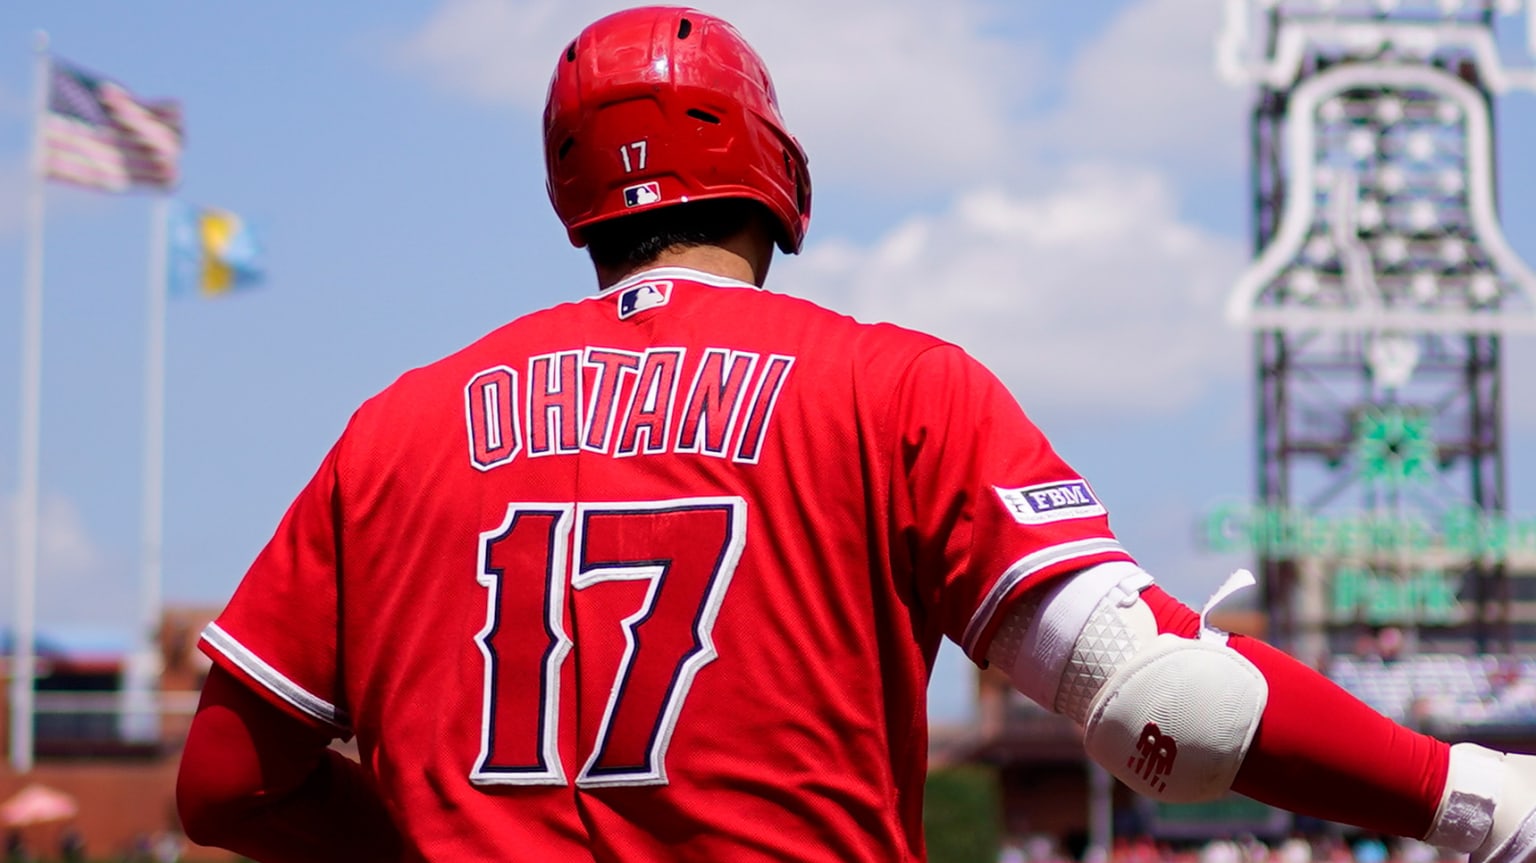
[279,631]
[987,506]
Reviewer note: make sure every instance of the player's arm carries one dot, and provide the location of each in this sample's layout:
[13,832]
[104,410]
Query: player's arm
[1026,575]
[1181,712]
[264,783]
[257,775]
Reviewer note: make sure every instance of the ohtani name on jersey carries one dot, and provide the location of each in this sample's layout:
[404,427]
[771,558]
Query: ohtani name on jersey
[625,403]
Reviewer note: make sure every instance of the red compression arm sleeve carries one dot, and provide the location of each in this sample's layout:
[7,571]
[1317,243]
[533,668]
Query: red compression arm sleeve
[260,782]
[1320,751]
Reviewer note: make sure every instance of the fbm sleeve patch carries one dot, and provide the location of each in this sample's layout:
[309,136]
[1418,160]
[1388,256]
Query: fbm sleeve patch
[1048,502]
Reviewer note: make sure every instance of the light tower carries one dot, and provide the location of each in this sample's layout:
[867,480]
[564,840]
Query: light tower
[1381,289]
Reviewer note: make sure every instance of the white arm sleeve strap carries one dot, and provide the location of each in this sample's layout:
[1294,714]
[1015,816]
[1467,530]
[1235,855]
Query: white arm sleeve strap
[1171,717]
[1488,807]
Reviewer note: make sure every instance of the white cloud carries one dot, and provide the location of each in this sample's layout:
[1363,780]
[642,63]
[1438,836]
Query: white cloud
[498,51]
[883,90]
[1092,294]
[78,584]
[874,88]
[1146,88]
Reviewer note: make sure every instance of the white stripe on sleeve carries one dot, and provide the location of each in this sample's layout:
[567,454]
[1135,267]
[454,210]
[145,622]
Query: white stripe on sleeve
[274,680]
[1024,568]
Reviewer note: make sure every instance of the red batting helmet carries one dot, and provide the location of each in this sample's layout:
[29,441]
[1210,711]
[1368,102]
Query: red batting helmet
[662,105]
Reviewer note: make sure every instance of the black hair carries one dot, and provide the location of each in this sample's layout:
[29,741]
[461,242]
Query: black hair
[633,241]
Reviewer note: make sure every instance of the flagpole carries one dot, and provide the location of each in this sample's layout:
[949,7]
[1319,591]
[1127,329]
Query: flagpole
[23,646]
[142,717]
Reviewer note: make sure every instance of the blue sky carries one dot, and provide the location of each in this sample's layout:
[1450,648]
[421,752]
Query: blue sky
[1060,187]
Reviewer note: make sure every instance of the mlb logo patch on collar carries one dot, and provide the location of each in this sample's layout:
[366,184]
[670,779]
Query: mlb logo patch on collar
[645,193]
[647,295]
[1051,501]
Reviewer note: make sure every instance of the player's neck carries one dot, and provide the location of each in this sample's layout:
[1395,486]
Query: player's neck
[744,257]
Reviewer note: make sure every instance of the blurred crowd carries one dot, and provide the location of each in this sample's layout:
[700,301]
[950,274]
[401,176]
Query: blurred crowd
[1440,691]
[1248,849]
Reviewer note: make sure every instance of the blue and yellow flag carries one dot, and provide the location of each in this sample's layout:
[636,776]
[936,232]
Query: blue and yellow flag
[212,252]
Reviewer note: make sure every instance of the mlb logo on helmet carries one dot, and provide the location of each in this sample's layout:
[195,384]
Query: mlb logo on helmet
[646,295]
[645,193]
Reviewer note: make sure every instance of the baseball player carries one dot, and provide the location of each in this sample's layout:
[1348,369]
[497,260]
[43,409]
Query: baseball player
[659,574]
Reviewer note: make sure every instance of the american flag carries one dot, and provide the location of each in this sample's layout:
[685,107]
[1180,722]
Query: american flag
[97,134]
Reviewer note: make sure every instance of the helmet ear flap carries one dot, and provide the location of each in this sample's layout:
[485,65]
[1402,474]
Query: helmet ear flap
[659,106]
[802,177]
[800,182]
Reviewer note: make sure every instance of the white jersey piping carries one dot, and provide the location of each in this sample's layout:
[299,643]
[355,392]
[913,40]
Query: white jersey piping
[280,684]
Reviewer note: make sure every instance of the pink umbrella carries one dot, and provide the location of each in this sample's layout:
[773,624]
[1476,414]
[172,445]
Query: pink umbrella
[37,804]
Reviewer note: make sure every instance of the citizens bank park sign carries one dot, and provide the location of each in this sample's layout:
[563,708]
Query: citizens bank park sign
[1394,449]
[1465,532]
[1423,553]
[1425,595]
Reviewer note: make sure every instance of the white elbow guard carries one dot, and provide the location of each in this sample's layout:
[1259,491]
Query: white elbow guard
[1171,717]
[1488,808]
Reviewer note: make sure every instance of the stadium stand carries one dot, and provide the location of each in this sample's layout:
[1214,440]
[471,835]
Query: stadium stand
[1444,691]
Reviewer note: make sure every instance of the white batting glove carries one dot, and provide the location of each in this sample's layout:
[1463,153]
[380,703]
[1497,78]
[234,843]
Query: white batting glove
[1488,809]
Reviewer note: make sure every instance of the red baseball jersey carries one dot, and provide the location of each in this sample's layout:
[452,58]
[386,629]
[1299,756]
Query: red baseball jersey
[658,575]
